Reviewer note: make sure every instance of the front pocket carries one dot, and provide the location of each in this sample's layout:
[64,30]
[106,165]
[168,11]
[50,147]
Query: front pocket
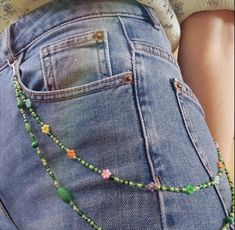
[78,91]
[65,63]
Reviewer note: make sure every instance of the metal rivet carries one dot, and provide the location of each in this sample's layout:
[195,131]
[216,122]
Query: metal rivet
[178,86]
[128,78]
[99,35]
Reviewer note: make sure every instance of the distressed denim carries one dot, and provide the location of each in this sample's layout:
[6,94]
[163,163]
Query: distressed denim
[102,74]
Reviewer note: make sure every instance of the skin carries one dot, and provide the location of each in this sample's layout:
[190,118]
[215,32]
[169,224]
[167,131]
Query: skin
[206,59]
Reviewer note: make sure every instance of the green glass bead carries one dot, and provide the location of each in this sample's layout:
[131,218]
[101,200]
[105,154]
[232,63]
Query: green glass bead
[229,219]
[190,189]
[64,194]
[20,103]
[34,144]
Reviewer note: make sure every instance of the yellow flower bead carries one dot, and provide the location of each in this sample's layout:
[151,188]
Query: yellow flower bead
[45,128]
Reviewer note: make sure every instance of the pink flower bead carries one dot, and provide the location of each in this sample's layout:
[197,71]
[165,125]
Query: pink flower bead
[106,174]
[151,186]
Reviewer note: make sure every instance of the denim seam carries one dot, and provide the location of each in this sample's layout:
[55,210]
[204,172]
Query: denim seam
[81,38]
[52,74]
[107,56]
[80,95]
[9,45]
[71,21]
[194,141]
[194,100]
[206,163]
[44,72]
[108,83]
[144,45]
[139,112]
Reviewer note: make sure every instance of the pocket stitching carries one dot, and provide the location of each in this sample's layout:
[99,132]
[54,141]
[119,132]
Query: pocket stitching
[86,89]
[78,40]
[190,128]
[188,93]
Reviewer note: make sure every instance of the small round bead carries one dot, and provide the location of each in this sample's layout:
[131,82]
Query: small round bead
[28,103]
[217,179]
[205,186]
[91,167]
[20,103]
[56,183]
[34,144]
[28,126]
[44,162]
[131,183]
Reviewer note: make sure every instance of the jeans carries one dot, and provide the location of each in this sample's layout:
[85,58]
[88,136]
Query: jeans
[102,74]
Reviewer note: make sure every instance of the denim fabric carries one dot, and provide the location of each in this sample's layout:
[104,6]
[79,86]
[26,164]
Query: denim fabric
[103,76]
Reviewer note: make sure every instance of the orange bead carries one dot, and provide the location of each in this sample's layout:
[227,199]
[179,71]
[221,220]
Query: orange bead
[220,164]
[71,153]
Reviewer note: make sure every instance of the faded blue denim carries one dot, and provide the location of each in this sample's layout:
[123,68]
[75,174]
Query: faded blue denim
[74,59]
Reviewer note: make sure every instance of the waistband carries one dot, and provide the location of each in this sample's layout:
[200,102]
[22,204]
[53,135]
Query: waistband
[13,40]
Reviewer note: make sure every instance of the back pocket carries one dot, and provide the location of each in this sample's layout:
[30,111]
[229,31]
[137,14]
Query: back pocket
[193,117]
[75,60]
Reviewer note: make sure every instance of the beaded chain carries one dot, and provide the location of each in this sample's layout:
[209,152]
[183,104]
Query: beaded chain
[24,104]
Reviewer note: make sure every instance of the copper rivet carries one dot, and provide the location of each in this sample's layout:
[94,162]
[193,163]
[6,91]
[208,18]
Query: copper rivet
[178,85]
[128,78]
[99,35]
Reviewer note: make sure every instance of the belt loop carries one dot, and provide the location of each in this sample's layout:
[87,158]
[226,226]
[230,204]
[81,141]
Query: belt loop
[153,17]
[7,49]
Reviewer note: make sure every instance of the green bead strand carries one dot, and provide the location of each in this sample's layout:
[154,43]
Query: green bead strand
[23,103]
[85,216]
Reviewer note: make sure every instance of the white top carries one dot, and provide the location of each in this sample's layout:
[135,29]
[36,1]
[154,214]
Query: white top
[171,13]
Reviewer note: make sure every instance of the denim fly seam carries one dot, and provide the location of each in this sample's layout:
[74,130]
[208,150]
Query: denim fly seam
[143,127]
